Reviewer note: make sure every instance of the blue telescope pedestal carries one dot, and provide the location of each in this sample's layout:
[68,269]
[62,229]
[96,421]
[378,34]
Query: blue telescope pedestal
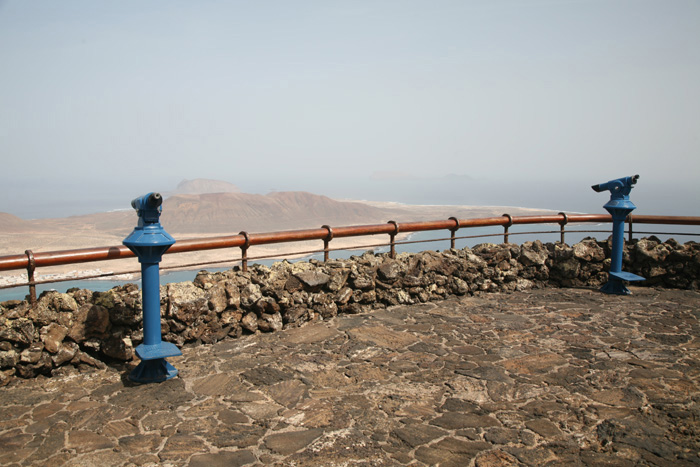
[619,207]
[149,241]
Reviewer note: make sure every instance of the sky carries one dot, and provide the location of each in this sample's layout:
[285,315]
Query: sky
[511,102]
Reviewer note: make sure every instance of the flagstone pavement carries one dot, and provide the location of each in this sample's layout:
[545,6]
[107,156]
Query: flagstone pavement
[544,377]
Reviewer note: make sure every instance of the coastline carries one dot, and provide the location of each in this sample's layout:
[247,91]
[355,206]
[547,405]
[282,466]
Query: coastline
[64,234]
[129,269]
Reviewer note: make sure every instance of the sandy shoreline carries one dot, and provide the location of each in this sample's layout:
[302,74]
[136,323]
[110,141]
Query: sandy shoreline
[71,236]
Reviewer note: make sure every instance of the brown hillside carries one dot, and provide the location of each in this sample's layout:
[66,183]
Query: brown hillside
[232,212]
[190,216]
[10,223]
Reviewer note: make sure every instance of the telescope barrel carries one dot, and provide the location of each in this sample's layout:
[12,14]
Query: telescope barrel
[620,185]
[149,201]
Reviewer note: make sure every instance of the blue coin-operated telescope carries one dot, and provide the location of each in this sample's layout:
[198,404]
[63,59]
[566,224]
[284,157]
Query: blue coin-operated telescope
[149,241]
[619,207]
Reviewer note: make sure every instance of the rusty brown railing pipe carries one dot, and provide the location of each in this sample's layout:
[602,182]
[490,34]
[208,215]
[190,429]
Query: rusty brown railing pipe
[669,220]
[30,261]
[57,258]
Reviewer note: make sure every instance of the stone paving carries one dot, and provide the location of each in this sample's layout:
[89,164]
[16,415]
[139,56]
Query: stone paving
[545,377]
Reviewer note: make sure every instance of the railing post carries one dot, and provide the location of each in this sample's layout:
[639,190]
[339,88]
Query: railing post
[392,237]
[327,241]
[31,267]
[453,230]
[629,222]
[505,227]
[562,223]
[244,251]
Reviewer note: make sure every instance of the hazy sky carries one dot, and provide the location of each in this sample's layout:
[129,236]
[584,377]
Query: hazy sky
[348,98]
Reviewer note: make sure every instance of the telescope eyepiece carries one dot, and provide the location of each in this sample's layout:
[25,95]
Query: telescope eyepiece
[634,179]
[154,200]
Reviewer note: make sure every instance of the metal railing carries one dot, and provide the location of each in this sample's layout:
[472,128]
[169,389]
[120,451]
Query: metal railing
[243,240]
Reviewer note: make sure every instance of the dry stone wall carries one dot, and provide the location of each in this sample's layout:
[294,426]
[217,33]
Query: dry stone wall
[91,329]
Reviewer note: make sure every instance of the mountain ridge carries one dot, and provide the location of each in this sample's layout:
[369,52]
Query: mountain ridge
[228,212]
[222,213]
[208,213]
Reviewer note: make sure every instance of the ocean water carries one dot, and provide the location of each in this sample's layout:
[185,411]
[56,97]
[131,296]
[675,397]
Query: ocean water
[420,241]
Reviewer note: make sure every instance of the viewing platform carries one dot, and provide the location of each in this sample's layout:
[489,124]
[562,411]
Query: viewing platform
[554,376]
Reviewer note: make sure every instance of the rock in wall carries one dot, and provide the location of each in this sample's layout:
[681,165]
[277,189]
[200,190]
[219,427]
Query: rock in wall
[85,328]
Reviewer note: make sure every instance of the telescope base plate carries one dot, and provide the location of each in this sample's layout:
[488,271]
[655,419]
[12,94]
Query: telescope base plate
[153,371]
[615,286]
[626,276]
[157,351]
